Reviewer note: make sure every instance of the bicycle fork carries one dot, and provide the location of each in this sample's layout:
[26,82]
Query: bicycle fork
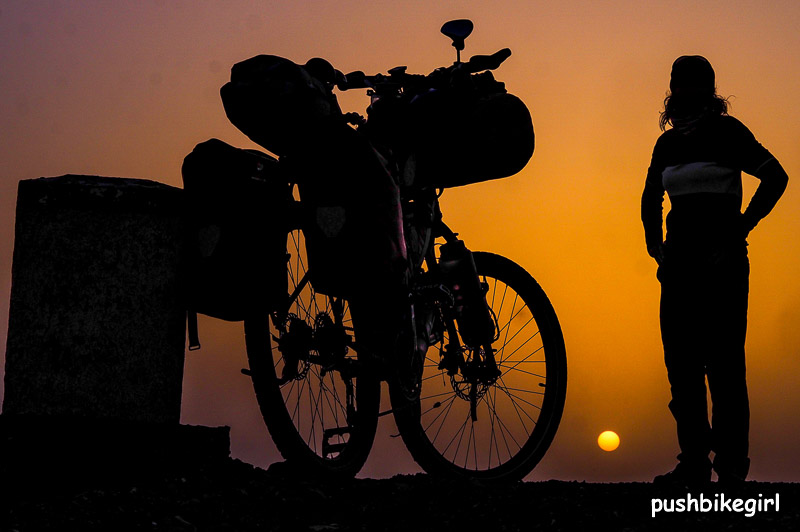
[468,318]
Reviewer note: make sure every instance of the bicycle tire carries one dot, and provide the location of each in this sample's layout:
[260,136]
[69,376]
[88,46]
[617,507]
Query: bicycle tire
[299,410]
[494,450]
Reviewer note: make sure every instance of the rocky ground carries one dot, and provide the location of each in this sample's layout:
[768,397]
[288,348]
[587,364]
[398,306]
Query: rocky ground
[236,496]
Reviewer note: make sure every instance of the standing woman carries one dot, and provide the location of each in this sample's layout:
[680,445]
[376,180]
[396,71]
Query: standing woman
[703,267]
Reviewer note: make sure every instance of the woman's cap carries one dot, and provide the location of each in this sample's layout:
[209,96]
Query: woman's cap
[692,73]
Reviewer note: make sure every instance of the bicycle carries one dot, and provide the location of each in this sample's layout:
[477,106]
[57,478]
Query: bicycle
[478,382]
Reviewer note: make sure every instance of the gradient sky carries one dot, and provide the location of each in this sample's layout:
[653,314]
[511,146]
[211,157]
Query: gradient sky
[128,88]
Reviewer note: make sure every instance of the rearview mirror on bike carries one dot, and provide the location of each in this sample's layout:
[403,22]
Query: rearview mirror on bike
[458,30]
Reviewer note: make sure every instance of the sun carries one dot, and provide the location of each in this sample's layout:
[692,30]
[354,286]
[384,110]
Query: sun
[608,440]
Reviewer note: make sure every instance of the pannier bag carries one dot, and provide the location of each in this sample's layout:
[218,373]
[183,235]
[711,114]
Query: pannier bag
[237,206]
[353,221]
[277,103]
[463,140]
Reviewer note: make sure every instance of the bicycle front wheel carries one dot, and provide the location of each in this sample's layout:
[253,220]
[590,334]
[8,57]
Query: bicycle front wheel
[492,430]
[319,404]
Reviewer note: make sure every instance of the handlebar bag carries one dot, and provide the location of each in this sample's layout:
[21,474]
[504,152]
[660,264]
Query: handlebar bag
[237,208]
[276,102]
[469,139]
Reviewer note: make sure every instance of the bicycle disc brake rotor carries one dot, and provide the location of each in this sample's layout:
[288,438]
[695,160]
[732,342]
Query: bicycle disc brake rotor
[473,375]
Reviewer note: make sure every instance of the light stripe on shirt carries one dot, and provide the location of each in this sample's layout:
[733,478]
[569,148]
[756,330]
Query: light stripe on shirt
[698,177]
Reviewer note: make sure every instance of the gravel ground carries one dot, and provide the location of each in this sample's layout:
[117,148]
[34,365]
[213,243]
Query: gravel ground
[236,496]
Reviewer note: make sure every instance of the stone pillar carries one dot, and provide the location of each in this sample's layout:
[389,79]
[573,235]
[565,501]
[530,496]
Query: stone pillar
[97,323]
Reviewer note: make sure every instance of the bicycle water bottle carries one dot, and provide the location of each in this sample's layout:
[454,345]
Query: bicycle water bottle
[475,322]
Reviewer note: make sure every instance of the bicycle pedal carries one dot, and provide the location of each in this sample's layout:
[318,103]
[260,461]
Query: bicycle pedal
[331,448]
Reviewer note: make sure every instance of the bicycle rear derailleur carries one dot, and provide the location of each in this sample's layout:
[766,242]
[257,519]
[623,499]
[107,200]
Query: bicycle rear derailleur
[326,344]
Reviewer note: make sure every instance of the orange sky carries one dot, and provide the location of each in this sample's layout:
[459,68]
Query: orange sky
[129,90]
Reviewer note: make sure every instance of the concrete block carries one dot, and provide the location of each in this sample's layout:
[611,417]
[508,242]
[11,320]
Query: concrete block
[97,319]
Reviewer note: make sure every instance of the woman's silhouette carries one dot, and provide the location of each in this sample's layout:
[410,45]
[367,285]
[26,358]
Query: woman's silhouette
[703,267]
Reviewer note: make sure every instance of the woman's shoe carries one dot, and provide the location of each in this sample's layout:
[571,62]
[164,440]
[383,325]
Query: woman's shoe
[685,476]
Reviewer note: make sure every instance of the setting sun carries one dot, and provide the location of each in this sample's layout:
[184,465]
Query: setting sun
[608,440]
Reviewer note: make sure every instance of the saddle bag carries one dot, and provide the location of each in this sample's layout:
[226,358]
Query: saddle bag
[278,103]
[237,206]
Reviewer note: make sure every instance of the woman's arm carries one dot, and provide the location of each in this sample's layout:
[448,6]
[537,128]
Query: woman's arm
[652,211]
[773,182]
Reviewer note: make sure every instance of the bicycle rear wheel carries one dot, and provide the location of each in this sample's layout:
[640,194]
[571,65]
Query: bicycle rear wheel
[496,430]
[319,404]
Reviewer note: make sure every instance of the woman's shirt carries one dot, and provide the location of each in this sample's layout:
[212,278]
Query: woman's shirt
[701,170]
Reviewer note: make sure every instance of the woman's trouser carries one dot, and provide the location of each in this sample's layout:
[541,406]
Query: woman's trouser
[703,326]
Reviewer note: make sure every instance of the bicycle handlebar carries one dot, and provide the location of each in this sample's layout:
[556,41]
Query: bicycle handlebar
[398,75]
[478,63]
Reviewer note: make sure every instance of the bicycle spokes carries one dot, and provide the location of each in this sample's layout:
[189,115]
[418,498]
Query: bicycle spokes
[491,411]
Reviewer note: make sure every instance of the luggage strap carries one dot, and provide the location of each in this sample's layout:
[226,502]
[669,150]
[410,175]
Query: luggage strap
[191,323]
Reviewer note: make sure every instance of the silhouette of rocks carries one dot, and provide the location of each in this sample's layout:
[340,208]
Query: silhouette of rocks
[50,453]
[236,496]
